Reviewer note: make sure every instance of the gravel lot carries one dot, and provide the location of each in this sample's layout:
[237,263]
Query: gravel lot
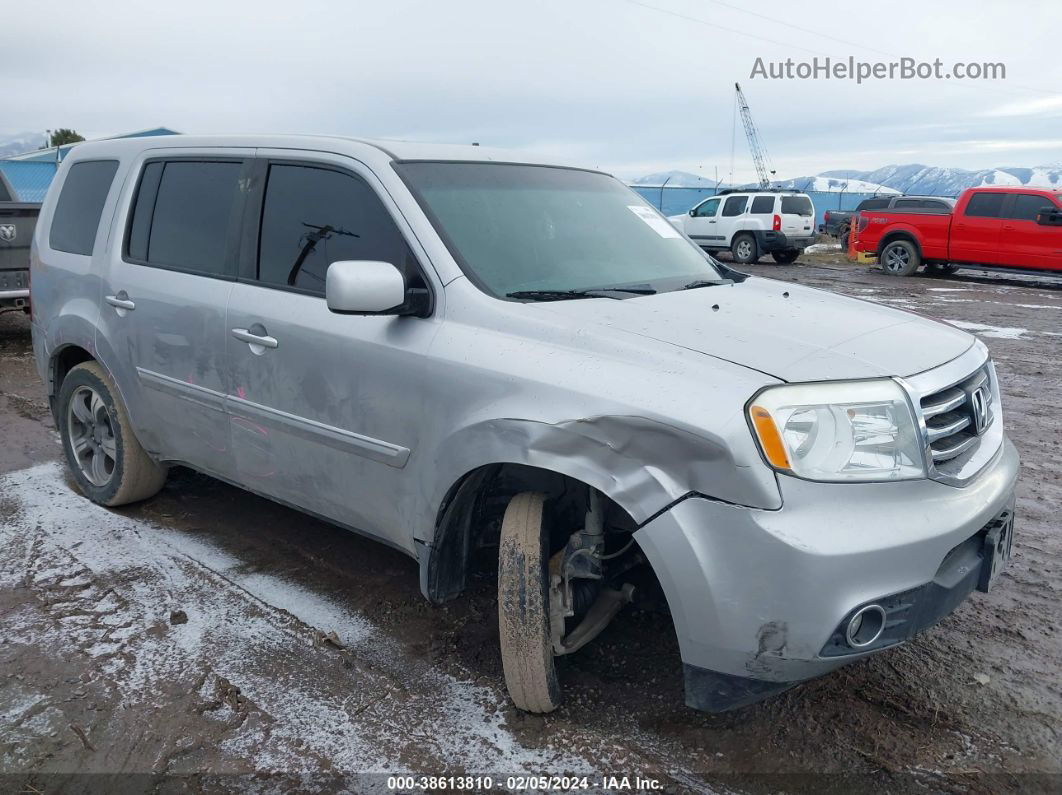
[212,633]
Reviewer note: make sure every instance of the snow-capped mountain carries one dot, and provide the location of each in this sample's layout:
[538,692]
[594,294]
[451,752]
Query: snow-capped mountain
[828,184]
[917,178]
[674,179]
[23,142]
[911,178]
[684,179]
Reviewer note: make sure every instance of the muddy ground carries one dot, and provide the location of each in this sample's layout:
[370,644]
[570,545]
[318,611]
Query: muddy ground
[212,640]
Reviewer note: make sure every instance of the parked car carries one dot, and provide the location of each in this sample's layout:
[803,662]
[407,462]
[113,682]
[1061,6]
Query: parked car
[752,223]
[1010,228]
[837,222]
[480,358]
[17,221]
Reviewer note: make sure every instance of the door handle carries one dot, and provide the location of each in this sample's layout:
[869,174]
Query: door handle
[120,301]
[1009,228]
[265,341]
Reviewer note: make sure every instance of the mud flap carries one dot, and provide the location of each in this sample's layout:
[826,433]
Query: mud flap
[712,691]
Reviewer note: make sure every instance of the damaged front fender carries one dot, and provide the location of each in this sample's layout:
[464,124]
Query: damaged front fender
[641,464]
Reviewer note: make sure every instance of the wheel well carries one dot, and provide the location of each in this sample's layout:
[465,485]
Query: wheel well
[65,360]
[894,236]
[468,524]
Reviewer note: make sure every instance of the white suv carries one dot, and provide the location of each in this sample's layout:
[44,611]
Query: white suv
[752,223]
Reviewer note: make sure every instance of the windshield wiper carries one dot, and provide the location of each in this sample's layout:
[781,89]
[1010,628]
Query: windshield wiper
[586,292]
[706,283]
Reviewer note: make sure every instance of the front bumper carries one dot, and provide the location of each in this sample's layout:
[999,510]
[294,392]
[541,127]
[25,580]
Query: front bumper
[757,596]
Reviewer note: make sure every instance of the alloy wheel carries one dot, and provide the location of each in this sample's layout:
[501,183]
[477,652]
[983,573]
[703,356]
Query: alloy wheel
[896,258]
[92,436]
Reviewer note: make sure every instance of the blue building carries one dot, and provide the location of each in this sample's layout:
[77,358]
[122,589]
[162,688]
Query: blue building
[27,176]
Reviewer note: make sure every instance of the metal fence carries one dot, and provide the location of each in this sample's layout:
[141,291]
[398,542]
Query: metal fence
[675,201]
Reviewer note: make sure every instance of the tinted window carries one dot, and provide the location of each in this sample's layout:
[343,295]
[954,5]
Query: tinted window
[313,217]
[708,209]
[986,205]
[900,203]
[762,205]
[193,209]
[797,205]
[5,194]
[1027,206]
[873,204]
[735,205]
[80,205]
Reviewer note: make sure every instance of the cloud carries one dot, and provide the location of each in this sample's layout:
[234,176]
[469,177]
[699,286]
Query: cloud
[1041,106]
[605,83]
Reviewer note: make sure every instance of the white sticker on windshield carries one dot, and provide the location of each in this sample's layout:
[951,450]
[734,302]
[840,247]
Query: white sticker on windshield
[659,225]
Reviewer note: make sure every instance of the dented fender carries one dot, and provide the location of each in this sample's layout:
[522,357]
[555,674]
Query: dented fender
[642,464]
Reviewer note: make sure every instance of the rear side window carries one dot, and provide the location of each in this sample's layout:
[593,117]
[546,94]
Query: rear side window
[315,216]
[77,213]
[916,203]
[735,205]
[762,205]
[797,205]
[986,205]
[873,204]
[1026,206]
[183,213]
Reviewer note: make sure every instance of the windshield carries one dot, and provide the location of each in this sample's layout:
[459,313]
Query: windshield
[522,229]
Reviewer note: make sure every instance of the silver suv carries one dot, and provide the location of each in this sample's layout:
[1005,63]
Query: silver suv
[475,357]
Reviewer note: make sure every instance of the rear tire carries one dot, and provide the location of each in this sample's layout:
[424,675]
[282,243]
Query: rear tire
[786,256]
[743,249]
[107,461]
[523,606]
[900,258]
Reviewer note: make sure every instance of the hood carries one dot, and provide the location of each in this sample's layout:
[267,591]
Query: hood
[787,331]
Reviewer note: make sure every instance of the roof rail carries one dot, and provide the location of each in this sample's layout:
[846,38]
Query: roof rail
[726,191]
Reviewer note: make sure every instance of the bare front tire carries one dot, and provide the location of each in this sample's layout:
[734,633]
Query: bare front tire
[787,256]
[523,606]
[107,461]
[900,258]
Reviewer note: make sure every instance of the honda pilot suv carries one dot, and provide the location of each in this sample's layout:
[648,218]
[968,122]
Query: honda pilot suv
[497,364]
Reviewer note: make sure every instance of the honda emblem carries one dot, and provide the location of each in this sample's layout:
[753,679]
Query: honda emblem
[979,409]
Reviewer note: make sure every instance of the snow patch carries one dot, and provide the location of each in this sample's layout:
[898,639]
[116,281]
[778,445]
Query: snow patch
[996,332]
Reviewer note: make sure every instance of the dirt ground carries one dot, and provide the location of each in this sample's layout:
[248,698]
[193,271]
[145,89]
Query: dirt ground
[209,640]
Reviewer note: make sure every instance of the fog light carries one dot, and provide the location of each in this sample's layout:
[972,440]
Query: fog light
[865,626]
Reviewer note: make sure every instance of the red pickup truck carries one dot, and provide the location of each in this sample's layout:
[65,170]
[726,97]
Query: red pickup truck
[1005,228]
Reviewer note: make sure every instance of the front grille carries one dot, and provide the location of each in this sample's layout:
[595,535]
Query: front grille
[952,417]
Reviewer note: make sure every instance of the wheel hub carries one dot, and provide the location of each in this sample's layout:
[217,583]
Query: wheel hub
[91,435]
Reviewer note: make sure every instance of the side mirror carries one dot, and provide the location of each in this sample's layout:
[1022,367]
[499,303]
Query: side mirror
[1049,216]
[367,287]
[693,212]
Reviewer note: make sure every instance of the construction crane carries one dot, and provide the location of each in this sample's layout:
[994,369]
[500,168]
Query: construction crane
[759,154]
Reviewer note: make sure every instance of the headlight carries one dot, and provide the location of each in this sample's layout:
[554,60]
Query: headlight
[839,431]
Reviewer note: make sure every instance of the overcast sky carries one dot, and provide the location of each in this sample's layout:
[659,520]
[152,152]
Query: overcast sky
[607,83]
